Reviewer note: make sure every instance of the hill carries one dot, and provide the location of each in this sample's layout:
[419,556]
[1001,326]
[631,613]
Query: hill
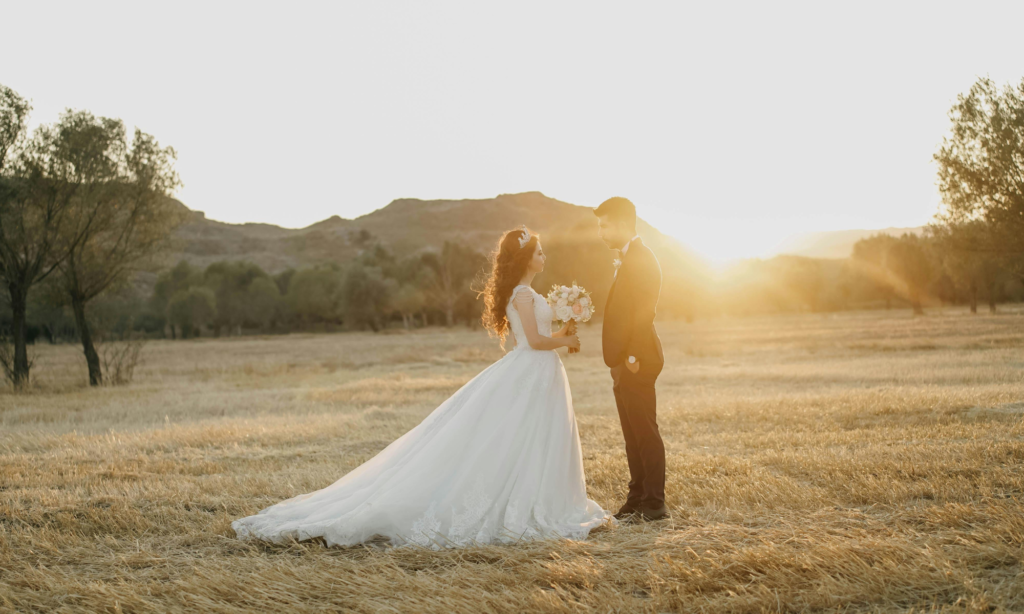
[405,226]
[409,226]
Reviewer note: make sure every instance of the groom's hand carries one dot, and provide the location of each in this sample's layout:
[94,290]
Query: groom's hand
[633,366]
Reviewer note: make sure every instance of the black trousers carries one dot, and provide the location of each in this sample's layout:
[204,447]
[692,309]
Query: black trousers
[645,451]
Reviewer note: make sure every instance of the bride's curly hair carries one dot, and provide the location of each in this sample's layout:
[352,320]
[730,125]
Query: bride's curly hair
[508,265]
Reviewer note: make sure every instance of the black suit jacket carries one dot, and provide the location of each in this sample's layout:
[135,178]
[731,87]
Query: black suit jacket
[628,328]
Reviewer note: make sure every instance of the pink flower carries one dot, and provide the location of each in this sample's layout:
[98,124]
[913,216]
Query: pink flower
[577,308]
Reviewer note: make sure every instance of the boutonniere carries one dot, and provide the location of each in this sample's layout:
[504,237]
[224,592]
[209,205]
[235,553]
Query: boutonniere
[616,263]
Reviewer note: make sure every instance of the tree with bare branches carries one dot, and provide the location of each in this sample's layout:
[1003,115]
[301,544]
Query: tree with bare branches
[451,272]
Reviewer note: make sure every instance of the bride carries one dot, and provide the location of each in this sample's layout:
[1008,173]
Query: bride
[497,462]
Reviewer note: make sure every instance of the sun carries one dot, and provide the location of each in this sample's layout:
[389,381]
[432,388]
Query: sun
[721,245]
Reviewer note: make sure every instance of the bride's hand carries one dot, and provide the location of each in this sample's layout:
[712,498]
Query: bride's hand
[573,342]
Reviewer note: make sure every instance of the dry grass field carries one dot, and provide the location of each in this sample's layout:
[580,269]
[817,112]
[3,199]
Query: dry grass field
[863,462]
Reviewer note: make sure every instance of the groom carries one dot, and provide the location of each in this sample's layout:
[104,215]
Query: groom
[632,350]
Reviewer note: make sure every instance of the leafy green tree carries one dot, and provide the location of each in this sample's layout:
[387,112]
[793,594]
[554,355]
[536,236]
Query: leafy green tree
[902,267]
[282,280]
[262,302]
[121,216]
[181,277]
[14,112]
[973,271]
[408,301]
[909,261]
[981,171]
[192,310]
[117,313]
[230,282]
[367,296]
[38,180]
[314,295]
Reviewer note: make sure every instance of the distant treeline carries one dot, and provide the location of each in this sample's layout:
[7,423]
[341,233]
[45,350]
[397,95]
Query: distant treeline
[378,291]
[883,272]
[83,209]
[372,292]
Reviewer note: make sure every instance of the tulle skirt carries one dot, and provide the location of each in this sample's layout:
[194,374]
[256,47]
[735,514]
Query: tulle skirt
[497,462]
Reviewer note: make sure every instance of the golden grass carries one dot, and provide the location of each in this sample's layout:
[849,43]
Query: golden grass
[866,461]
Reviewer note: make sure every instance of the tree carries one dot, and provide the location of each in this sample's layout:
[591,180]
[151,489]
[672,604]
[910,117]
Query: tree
[981,171]
[19,269]
[408,301]
[869,255]
[263,300]
[46,307]
[908,259]
[469,308]
[181,277]
[120,217]
[367,296]
[973,271]
[314,295]
[192,309]
[452,271]
[230,282]
[900,267]
[39,179]
[14,112]
[800,280]
[282,280]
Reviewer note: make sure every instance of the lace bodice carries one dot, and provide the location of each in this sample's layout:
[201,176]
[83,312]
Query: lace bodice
[541,310]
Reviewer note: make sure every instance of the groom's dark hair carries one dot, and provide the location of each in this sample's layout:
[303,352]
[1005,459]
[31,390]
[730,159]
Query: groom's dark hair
[618,209]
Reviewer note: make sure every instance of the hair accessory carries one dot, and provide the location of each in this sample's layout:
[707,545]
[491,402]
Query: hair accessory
[523,240]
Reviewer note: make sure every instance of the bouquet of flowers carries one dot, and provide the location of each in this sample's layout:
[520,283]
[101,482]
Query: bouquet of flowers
[571,303]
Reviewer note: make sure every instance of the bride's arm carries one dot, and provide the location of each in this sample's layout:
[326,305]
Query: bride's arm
[524,305]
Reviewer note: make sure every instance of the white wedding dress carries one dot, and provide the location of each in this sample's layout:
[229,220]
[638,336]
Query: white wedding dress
[497,462]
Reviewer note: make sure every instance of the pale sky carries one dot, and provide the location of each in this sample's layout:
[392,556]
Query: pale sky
[731,125]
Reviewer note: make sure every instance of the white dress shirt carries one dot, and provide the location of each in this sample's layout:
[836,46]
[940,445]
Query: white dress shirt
[622,254]
[626,246]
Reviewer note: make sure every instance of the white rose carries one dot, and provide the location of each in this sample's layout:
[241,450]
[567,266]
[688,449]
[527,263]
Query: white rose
[584,301]
[564,313]
[586,314]
[562,302]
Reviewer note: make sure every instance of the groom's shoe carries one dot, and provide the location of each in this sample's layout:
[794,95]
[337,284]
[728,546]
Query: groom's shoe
[651,513]
[627,512]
